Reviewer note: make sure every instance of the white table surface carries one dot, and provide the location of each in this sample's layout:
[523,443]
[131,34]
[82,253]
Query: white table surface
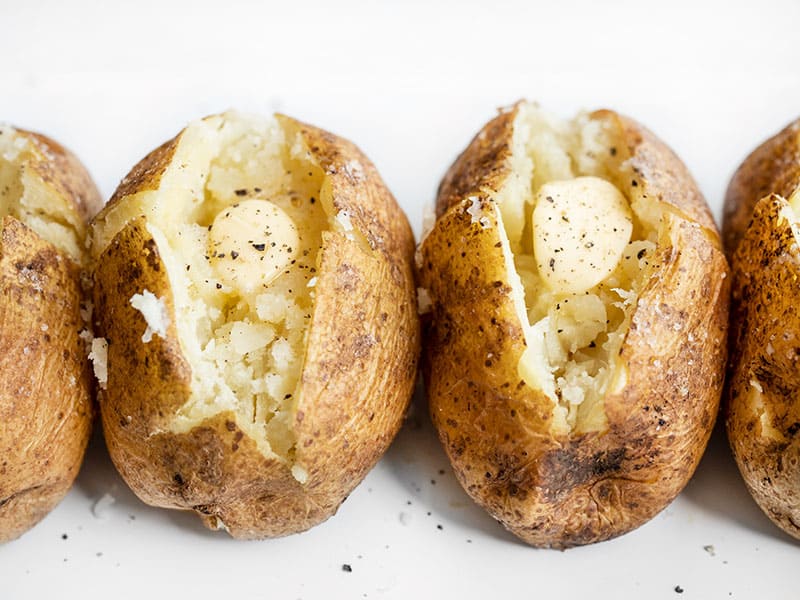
[411,83]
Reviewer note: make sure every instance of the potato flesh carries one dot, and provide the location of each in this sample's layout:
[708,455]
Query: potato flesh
[577,318]
[242,327]
[27,197]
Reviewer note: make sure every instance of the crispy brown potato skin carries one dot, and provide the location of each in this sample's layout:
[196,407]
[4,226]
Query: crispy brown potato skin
[772,168]
[565,491]
[45,391]
[765,327]
[359,372]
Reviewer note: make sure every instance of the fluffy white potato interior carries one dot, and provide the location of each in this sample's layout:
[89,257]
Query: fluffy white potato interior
[580,243]
[28,198]
[238,221]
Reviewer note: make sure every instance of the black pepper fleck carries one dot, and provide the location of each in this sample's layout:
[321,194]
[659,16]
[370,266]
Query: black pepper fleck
[347,568]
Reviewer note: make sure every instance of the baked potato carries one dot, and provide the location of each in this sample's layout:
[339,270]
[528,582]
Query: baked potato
[46,200]
[257,322]
[574,346]
[763,390]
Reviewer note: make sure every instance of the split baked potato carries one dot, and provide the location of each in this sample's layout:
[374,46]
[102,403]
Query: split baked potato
[575,345]
[257,323]
[762,232]
[46,200]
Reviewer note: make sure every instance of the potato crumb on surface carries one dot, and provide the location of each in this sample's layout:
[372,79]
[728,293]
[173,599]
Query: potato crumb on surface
[423,301]
[343,220]
[86,310]
[428,220]
[476,212]
[99,358]
[154,311]
[100,508]
[299,473]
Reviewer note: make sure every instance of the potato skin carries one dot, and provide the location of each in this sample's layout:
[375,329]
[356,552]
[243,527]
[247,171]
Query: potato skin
[358,375]
[762,409]
[576,489]
[772,168]
[45,392]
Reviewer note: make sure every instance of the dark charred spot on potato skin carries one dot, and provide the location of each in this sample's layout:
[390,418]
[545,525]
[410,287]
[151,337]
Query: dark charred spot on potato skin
[200,453]
[20,493]
[775,382]
[130,273]
[38,264]
[569,467]
[205,509]
[151,254]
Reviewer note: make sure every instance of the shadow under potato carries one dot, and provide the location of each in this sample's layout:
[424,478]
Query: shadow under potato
[417,460]
[98,477]
[718,488]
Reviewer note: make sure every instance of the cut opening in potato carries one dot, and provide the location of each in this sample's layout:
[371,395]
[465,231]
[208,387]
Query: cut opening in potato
[239,219]
[28,196]
[580,236]
[794,202]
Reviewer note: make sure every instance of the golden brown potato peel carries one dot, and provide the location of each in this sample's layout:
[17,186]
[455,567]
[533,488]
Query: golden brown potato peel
[45,392]
[772,168]
[762,411]
[358,374]
[570,490]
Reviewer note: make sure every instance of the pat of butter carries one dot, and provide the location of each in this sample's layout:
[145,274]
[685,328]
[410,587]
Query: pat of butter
[581,227]
[251,243]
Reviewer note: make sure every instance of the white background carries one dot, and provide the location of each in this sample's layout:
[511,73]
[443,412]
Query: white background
[411,83]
